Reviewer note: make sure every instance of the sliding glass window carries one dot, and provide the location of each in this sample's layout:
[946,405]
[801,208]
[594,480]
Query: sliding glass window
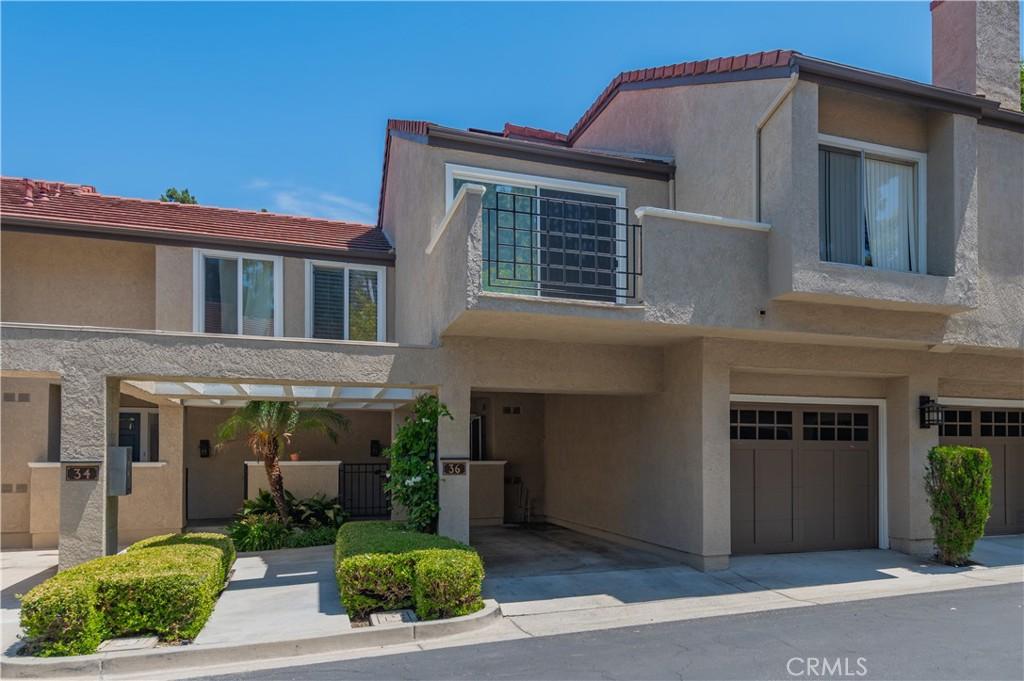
[345,301]
[870,209]
[237,294]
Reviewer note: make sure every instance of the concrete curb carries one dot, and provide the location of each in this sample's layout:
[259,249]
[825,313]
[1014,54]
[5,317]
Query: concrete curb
[180,658]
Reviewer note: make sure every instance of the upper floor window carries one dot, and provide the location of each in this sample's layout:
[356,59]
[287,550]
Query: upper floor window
[871,205]
[345,301]
[237,293]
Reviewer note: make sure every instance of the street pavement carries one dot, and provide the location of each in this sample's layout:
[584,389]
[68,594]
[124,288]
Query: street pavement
[964,634]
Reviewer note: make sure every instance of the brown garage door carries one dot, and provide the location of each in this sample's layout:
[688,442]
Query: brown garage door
[1001,432]
[803,477]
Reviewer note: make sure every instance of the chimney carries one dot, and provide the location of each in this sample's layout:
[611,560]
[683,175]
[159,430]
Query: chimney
[976,49]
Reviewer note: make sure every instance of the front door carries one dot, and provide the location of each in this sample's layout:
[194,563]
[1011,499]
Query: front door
[129,433]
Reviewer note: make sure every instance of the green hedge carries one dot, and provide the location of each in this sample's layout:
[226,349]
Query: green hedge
[958,481]
[382,566]
[164,585]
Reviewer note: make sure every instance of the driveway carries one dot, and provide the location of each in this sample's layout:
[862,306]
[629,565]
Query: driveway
[547,569]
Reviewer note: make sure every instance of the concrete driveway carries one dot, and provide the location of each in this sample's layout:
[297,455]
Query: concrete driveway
[546,569]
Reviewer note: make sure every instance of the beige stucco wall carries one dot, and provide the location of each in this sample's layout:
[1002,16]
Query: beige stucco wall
[303,478]
[216,483]
[23,439]
[70,280]
[517,439]
[416,204]
[872,119]
[709,131]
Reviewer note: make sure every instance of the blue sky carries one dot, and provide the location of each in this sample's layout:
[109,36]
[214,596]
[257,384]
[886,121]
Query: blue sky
[284,106]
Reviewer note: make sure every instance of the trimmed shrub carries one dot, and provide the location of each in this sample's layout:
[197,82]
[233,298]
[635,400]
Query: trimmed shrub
[164,585]
[447,583]
[380,565]
[959,484]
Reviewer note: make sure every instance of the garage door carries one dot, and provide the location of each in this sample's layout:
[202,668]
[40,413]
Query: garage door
[803,477]
[1001,432]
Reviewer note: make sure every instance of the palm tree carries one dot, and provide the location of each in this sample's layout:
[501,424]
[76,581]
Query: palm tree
[268,426]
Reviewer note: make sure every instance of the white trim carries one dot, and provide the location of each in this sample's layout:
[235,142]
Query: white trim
[451,170]
[980,402]
[348,267]
[198,284]
[920,159]
[883,445]
[44,464]
[684,216]
[56,464]
[459,198]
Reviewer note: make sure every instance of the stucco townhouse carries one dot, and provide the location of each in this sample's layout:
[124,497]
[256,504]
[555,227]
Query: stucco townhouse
[729,311]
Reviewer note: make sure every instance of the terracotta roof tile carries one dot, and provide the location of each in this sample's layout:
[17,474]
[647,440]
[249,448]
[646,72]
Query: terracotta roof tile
[74,205]
[743,62]
[536,134]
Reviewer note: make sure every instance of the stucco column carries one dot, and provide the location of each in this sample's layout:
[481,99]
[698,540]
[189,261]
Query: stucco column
[716,504]
[172,450]
[910,530]
[88,517]
[453,443]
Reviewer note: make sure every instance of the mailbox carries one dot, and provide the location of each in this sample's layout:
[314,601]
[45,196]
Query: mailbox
[119,471]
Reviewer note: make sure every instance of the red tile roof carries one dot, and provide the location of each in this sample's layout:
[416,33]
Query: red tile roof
[535,134]
[59,204]
[682,71]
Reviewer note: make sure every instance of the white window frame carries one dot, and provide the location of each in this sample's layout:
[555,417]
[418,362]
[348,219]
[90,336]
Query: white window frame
[475,174]
[919,159]
[382,295]
[199,285]
[144,415]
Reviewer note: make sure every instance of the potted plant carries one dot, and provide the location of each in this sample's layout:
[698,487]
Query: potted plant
[294,456]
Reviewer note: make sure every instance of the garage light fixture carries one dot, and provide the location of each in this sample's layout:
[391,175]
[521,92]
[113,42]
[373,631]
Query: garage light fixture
[931,412]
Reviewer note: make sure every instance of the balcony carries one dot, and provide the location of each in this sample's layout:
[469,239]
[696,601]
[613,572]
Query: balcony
[560,248]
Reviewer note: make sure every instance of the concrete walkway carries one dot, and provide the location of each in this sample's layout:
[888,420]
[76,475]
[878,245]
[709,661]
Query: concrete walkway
[290,593]
[20,570]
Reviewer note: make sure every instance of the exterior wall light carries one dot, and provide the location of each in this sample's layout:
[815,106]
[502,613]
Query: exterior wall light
[931,412]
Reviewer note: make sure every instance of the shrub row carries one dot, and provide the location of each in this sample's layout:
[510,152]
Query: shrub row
[165,585]
[382,566]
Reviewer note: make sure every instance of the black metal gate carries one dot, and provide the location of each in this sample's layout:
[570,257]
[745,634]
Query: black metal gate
[362,490]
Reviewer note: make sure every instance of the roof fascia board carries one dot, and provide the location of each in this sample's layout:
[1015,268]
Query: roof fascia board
[33,226]
[921,94]
[450,138]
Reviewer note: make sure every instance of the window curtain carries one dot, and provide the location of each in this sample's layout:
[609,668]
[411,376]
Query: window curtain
[890,215]
[329,303]
[257,298]
[839,215]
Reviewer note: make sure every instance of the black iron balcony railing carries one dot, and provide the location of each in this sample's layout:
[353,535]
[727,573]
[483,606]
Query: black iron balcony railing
[560,248]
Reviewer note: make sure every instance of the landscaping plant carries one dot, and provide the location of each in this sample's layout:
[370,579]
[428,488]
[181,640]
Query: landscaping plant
[314,522]
[412,473]
[959,484]
[380,565]
[165,585]
[268,427]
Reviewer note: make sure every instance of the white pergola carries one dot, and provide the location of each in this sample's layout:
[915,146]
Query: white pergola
[236,394]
